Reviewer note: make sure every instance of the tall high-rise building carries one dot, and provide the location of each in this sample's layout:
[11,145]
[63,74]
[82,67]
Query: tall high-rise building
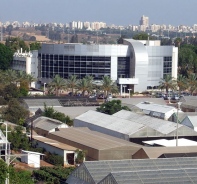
[144,21]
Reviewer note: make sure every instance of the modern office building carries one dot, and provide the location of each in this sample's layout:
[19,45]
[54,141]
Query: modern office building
[27,62]
[135,64]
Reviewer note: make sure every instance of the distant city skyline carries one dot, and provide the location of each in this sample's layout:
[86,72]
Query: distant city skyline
[118,12]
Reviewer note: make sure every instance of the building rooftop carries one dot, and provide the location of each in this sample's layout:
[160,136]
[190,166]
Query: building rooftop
[92,139]
[130,124]
[46,123]
[137,100]
[110,122]
[155,107]
[171,143]
[162,126]
[175,151]
[54,143]
[168,170]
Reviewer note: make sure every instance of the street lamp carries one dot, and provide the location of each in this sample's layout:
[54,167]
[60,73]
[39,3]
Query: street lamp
[129,92]
[177,121]
[124,86]
[44,88]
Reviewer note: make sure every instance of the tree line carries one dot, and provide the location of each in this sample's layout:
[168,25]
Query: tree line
[85,85]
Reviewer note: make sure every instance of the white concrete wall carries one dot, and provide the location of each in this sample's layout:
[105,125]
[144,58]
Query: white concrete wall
[31,159]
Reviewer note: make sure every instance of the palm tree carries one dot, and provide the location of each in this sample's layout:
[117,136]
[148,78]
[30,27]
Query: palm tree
[30,79]
[167,83]
[21,76]
[57,84]
[181,83]
[85,84]
[108,86]
[72,82]
[192,83]
[11,76]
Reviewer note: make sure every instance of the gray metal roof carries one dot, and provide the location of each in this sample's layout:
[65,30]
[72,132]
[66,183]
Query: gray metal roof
[94,172]
[189,102]
[163,126]
[179,176]
[34,103]
[73,112]
[155,152]
[193,120]
[46,123]
[131,124]
[137,100]
[92,139]
[182,115]
[54,143]
[110,122]
[155,107]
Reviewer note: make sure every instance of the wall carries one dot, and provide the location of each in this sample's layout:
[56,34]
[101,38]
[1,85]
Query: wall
[92,154]
[33,160]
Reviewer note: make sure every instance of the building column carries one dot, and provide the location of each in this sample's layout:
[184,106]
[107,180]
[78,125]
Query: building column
[120,89]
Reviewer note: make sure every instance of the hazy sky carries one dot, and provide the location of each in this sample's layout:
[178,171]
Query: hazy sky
[119,12]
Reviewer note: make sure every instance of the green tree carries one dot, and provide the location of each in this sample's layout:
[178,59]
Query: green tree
[58,84]
[85,85]
[192,82]
[35,46]
[6,56]
[72,83]
[141,36]
[181,82]
[80,156]
[51,113]
[30,79]
[20,176]
[112,107]
[15,43]
[24,88]
[167,83]
[108,86]
[178,42]
[10,76]
[187,60]
[3,171]
[18,139]
[14,112]
[10,91]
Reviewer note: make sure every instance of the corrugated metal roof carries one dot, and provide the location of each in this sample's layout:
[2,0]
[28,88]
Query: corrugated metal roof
[111,122]
[155,152]
[98,170]
[182,115]
[92,139]
[163,126]
[40,102]
[193,120]
[54,143]
[137,100]
[155,107]
[46,123]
